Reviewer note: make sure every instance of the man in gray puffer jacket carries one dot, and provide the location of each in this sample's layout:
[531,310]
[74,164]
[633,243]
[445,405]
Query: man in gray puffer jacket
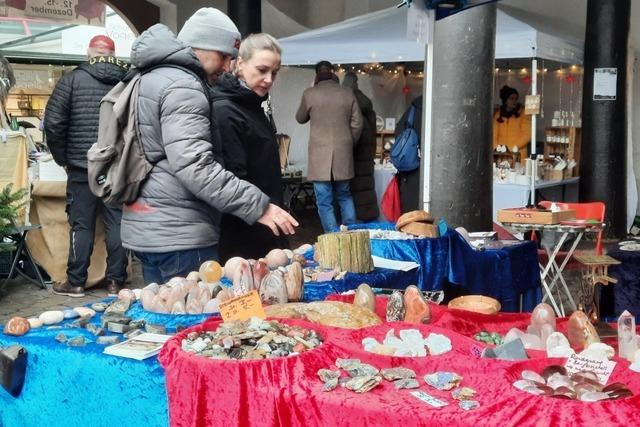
[173,226]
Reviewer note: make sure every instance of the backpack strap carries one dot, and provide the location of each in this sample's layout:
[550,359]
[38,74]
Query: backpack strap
[411,117]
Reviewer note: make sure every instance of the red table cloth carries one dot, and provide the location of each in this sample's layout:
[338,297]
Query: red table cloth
[288,392]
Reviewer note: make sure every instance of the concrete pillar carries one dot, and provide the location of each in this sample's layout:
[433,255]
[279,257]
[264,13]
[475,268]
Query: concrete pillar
[461,173]
[246,14]
[604,122]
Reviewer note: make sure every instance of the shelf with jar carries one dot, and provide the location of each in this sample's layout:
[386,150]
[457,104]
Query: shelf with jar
[384,141]
[564,142]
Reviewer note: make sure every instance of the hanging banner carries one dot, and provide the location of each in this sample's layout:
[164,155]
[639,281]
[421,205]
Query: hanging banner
[88,12]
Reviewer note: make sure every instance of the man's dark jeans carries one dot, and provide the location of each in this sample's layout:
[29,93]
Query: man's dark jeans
[82,210]
[160,267]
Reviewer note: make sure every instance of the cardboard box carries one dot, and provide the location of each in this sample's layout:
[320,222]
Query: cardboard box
[534,216]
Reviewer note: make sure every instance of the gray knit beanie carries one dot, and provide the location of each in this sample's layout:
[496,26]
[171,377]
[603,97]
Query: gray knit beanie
[210,29]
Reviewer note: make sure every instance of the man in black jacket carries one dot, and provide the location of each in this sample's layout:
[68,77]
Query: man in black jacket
[71,126]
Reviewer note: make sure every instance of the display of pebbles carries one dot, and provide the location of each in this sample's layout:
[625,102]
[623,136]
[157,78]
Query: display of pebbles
[556,382]
[363,377]
[251,339]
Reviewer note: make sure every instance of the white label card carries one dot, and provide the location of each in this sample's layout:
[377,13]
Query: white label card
[427,398]
[602,368]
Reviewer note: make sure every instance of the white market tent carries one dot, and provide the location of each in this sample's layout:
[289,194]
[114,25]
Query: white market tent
[382,37]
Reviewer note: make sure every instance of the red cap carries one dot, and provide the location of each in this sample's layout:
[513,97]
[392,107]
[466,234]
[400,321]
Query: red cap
[102,41]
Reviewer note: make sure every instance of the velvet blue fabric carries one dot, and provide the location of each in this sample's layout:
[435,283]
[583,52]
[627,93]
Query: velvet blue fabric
[626,293]
[504,274]
[80,386]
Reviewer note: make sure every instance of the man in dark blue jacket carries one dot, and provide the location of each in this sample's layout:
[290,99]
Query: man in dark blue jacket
[71,126]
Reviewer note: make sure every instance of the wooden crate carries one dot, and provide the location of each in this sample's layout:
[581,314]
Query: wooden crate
[534,216]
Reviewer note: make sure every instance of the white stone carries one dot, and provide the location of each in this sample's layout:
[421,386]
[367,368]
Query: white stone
[370,343]
[51,317]
[137,293]
[153,287]
[558,345]
[35,322]
[598,351]
[512,335]
[438,344]
[212,306]
[85,311]
[635,366]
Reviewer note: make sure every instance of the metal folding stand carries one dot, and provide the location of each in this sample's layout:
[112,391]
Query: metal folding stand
[553,271]
[19,238]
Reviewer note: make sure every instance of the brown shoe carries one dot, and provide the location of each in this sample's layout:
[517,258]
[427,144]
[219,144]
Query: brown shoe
[67,289]
[113,288]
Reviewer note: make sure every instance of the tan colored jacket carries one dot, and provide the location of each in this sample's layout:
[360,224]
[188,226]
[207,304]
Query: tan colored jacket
[336,123]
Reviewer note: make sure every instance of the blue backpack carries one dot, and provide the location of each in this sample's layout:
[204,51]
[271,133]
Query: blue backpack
[405,152]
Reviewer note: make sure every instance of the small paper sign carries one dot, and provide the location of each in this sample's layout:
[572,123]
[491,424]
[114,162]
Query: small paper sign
[532,104]
[243,307]
[427,398]
[602,368]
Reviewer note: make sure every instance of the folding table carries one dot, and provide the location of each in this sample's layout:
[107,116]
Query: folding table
[551,272]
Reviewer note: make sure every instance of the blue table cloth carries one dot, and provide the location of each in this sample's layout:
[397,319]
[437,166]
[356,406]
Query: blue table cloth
[505,274]
[626,293]
[80,386]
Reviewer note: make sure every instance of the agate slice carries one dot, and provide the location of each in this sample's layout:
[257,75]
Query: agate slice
[242,278]
[417,309]
[580,331]
[365,297]
[395,307]
[294,281]
[273,289]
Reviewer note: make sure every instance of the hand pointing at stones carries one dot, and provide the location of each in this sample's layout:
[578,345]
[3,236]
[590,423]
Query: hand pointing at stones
[277,219]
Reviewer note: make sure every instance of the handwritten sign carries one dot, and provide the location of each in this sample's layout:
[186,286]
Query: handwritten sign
[243,307]
[602,368]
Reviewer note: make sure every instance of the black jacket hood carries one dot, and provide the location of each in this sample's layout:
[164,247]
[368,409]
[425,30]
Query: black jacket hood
[229,87]
[107,69]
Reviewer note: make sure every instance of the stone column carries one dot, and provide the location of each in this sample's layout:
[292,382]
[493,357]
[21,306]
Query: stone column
[461,173]
[247,15]
[604,122]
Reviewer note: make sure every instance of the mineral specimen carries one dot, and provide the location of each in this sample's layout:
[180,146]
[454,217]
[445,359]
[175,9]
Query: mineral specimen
[395,307]
[365,297]
[251,339]
[17,326]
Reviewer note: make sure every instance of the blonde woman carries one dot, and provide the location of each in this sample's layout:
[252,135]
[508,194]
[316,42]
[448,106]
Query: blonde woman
[248,139]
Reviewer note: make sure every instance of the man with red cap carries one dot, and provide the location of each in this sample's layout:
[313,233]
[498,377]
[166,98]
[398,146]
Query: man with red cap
[71,127]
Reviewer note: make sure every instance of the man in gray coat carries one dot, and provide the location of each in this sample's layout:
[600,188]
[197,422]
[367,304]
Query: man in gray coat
[336,124]
[173,226]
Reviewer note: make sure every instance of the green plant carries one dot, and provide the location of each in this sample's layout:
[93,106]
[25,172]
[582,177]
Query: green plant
[10,204]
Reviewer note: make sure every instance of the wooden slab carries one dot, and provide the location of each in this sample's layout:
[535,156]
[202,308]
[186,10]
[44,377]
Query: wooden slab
[589,259]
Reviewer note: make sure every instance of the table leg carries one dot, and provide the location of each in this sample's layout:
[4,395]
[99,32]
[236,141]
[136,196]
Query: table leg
[561,269]
[546,270]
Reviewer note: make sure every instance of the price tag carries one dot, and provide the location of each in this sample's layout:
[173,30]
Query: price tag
[243,307]
[428,399]
[602,368]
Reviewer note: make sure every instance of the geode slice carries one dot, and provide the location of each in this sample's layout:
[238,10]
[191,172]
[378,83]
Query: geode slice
[395,307]
[406,383]
[443,380]
[399,373]
[363,384]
